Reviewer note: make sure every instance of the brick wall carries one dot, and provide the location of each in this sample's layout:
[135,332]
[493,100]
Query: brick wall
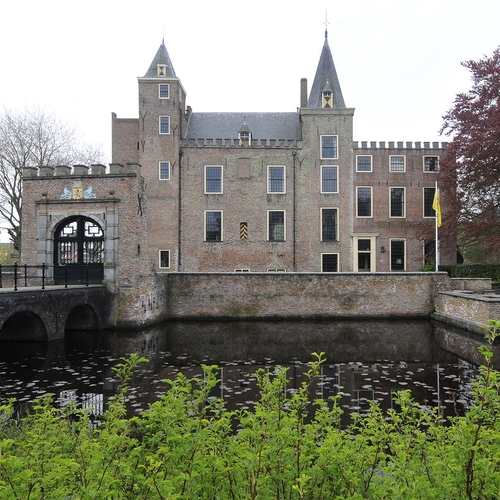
[346,295]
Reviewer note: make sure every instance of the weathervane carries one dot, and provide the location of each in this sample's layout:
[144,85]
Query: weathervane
[326,23]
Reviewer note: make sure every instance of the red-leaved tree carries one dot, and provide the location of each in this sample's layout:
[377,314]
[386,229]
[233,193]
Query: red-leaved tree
[471,168]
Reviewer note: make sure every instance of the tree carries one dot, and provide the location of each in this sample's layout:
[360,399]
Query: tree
[472,163]
[33,138]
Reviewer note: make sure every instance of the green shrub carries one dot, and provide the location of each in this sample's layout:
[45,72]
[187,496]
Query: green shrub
[187,445]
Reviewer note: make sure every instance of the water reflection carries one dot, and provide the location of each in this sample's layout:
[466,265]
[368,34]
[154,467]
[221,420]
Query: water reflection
[365,361]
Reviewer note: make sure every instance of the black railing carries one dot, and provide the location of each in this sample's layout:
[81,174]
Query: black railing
[24,275]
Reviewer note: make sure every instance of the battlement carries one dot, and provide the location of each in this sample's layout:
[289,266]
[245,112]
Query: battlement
[236,143]
[398,145]
[94,170]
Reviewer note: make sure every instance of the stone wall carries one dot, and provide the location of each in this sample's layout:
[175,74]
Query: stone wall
[283,295]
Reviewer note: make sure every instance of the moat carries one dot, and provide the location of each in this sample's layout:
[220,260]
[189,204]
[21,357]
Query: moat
[365,360]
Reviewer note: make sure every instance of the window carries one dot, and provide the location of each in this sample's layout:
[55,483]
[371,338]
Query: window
[328,146]
[329,262]
[275,179]
[276,225]
[329,179]
[164,259]
[329,224]
[431,163]
[397,202]
[397,163]
[397,255]
[242,270]
[164,170]
[243,230]
[428,201]
[363,163]
[364,263]
[213,179]
[364,201]
[213,226]
[164,124]
[277,270]
[161,70]
[164,91]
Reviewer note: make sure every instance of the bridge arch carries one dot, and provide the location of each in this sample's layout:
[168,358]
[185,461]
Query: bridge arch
[82,317]
[78,251]
[24,325]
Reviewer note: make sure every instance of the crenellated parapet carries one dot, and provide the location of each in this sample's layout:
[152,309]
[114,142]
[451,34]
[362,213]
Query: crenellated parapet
[93,170]
[238,144]
[398,145]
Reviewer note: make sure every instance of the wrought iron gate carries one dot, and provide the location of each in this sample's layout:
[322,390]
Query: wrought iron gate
[78,251]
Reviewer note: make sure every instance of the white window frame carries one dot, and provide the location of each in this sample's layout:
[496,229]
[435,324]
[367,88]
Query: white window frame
[245,270]
[335,157]
[284,226]
[427,171]
[336,223]
[423,202]
[277,270]
[161,70]
[329,253]
[159,259]
[404,253]
[160,125]
[269,167]
[337,179]
[221,226]
[371,203]
[371,163]
[160,169]
[221,179]
[390,163]
[404,202]
[159,90]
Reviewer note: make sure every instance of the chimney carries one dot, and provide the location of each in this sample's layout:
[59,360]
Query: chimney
[303,92]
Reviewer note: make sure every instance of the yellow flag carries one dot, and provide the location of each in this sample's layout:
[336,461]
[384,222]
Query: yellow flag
[436,205]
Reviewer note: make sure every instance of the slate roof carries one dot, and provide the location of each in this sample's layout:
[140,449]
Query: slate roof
[227,125]
[325,72]
[161,57]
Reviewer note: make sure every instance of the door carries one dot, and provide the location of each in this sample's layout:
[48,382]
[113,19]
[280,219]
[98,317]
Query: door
[78,251]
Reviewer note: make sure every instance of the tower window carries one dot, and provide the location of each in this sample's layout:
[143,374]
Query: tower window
[329,179]
[398,202]
[164,172]
[161,70]
[364,201]
[164,90]
[328,146]
[164,124]
[363,163]
[164,259]
[328,224]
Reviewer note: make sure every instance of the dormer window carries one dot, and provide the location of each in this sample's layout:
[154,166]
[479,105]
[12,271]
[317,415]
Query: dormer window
[244,135]
[161,69]
[327,100]
[327,96]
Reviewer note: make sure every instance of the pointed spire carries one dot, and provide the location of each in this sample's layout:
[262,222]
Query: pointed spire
[325,74]
[161,59]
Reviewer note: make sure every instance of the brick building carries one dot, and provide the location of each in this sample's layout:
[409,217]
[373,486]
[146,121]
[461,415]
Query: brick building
[225,192]
[275,191]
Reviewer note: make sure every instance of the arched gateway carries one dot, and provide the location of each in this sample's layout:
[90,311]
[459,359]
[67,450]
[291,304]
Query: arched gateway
[78,251]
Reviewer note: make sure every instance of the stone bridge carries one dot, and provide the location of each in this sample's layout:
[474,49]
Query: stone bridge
[45,314]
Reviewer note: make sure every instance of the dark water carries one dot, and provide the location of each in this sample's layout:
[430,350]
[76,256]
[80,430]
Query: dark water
[365,360]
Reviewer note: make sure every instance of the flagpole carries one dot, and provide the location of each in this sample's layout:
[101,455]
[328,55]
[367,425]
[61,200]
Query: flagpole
[437,232]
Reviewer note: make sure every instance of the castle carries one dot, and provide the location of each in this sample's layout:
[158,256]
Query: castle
[274,191]
[235,192]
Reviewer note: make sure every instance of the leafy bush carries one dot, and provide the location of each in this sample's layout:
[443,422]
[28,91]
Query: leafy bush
[186,445]
[474,271]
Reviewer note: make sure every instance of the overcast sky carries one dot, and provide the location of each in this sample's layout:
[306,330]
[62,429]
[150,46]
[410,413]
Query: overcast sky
[398,61]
